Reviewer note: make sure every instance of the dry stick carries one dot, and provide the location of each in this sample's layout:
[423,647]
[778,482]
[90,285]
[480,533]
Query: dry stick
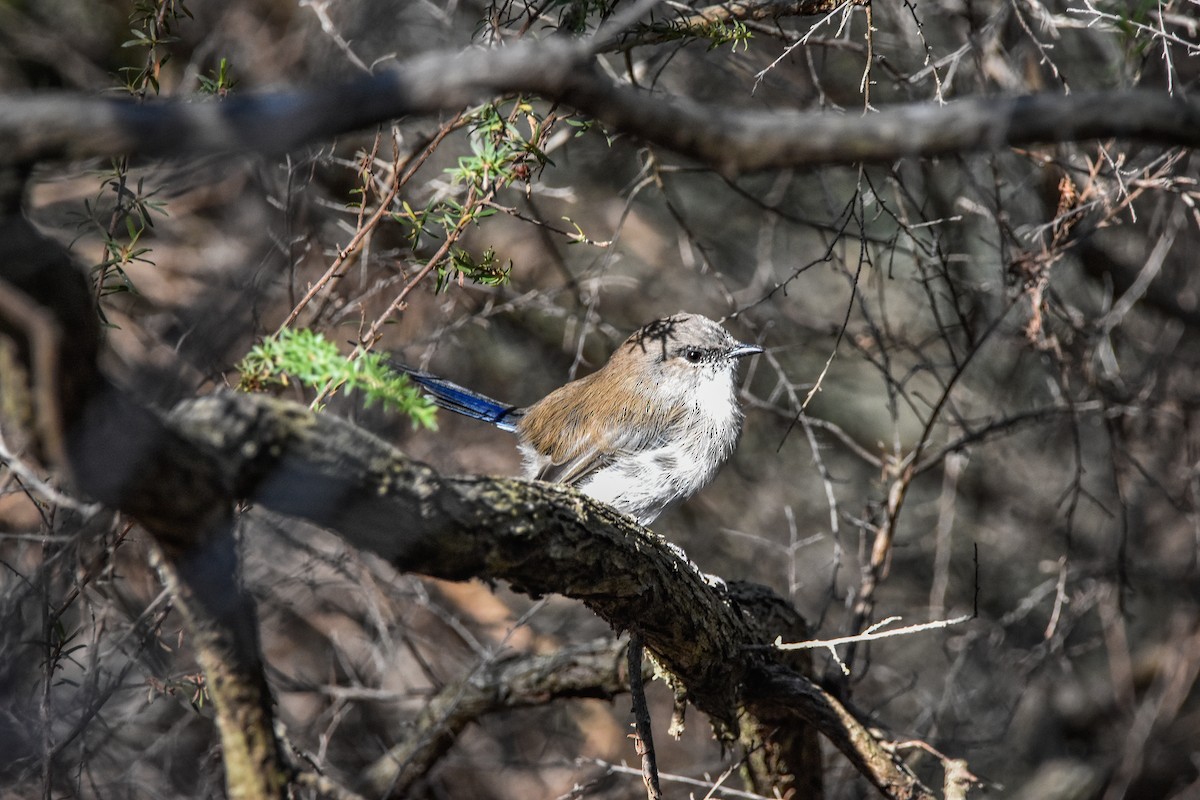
[829,10]
[29,482]
[499,682]
[341,262]
[373,333]
[1003,426]
[324,786]
[402,174]
[954,464]
[957,780]
[872,633]
[92,708]
[90,570]
[487,202]
[865,84]
[877,568]
[361,231]
[711,786]
[642,737]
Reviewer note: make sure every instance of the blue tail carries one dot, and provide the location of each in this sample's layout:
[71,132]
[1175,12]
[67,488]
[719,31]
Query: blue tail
[460,400]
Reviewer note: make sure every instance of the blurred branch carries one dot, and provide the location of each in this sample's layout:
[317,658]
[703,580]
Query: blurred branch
[593,669]
[66,125]
[123,455]
[205,585]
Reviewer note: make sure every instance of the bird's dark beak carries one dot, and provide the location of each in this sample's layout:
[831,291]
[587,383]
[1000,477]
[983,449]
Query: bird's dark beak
[744,350]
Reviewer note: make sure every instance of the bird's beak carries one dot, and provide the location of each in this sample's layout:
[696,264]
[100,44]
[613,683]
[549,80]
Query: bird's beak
[744,350]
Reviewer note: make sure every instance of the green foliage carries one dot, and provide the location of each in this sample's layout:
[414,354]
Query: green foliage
[719,33]
[218,83]
[125,219]
[447,214]
[1132,20]
[574,15]
[462,265]
[123,226]
[583,125]
[576,235]
[500,153]
[62,646]
[307,358]
[123,216]
[151,23]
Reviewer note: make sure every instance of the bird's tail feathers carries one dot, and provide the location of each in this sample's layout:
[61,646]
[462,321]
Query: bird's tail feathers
[461,400]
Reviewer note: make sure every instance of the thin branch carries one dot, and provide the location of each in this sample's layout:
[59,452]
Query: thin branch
[593,669]
[642,736]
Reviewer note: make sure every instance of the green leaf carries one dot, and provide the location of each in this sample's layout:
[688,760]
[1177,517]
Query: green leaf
[305,357]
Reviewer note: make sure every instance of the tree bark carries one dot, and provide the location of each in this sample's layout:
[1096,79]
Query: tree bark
[734,141]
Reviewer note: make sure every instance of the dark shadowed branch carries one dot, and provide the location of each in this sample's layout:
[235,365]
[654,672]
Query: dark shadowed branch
[51,126]
[592,669]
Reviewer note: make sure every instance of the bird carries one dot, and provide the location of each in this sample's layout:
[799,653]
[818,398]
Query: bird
[647,430]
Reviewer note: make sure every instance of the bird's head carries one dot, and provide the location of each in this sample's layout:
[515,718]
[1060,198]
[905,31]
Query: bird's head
[681,354]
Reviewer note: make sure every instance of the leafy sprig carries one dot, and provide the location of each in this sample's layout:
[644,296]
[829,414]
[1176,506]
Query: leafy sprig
[306,357]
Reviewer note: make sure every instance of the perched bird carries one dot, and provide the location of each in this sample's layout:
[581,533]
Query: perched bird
[650,428]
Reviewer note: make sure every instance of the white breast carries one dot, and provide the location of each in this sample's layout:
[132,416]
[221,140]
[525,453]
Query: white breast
[643,484]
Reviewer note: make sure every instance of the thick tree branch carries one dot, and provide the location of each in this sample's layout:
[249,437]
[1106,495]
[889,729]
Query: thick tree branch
[205,585]
[541,538]
[48,126]
[781,696]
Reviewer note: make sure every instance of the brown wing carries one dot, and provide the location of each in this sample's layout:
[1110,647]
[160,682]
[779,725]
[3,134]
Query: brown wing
[584,426]
[575,469]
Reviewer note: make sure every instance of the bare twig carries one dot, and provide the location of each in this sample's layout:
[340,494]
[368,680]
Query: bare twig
[643,737]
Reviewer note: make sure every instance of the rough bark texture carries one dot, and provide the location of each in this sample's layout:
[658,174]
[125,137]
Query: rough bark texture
[783,757]
[205,586]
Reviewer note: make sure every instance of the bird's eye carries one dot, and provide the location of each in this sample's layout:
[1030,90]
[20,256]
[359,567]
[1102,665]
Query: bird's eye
[693,355]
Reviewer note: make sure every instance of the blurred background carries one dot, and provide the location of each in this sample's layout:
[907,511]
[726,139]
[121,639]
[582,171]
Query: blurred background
[1010,336]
